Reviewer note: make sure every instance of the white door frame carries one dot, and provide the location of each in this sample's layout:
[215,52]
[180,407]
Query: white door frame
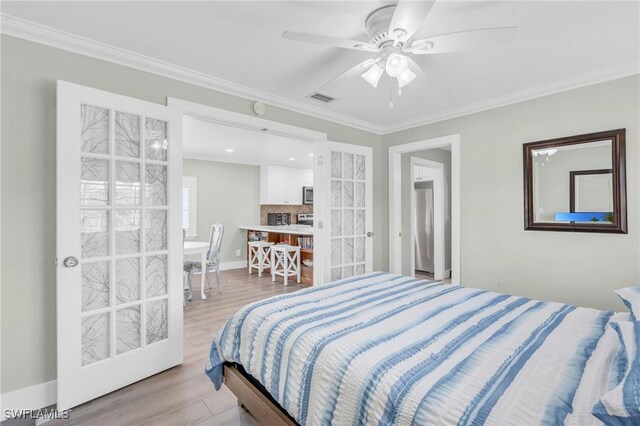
[244,121]
[435,174]
[395,199]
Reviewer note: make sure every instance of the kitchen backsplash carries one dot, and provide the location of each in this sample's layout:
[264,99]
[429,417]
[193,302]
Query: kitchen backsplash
[294,210]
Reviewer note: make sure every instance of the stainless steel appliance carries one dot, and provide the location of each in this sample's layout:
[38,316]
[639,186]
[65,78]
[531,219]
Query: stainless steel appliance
[278,219]
[305,219]
[307,195]
[423,228]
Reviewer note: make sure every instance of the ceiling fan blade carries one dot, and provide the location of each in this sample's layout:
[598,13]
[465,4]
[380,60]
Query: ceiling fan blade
[352,72]
[330,41]
[463,40]
[408,17]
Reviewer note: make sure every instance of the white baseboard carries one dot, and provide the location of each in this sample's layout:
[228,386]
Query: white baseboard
[238,264]
[30,398]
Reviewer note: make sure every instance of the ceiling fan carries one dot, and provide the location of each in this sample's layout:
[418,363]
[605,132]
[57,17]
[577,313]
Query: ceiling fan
[390,30]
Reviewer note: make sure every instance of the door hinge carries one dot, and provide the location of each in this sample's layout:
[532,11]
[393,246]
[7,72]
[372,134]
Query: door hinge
[319,224]
[56,262]
[320,161]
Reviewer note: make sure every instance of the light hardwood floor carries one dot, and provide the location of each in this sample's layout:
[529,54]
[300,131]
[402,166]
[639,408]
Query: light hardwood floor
[183,395]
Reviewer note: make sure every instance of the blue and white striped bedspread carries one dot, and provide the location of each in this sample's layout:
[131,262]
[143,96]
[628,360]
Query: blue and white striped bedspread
[383,349]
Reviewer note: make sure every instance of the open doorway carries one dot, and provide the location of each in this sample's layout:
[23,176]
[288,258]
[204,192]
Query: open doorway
[244,172]
[425,173]
[429,214]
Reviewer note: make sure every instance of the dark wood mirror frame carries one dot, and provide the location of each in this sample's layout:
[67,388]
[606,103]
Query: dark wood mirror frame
[618,159]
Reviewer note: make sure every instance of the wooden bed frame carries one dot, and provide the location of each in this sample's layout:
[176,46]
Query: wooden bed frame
[262,407]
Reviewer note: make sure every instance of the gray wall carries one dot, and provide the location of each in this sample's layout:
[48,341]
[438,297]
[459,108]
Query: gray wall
[28,192]
[439,156]
[496,252]
[228,194]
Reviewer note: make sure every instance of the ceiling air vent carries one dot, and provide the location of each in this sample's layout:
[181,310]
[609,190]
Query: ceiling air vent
[322,98]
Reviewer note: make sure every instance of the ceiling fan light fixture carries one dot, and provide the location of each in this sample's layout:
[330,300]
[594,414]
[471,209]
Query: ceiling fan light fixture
[373,74]
[406,77]
[396,65]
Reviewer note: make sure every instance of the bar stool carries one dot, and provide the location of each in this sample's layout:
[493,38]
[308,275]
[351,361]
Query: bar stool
[285,261]
[259,256]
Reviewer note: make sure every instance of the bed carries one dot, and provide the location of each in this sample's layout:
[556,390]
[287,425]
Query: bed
[389,349]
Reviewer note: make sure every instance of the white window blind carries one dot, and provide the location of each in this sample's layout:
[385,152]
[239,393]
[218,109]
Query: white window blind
[189,205]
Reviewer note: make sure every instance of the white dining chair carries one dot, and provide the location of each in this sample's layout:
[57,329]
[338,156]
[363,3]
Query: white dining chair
[213,259]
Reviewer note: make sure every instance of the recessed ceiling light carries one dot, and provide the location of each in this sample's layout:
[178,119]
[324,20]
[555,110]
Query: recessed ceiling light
[228,150]
[311,154]
[291,159]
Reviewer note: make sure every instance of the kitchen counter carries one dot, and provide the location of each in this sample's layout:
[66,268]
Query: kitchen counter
[282,229]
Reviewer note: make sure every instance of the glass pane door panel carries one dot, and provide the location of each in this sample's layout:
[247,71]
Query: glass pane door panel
[95,129]
[127,280]
[336,164]
[127,183]
[95,338]
[128,327]
[127,135]
[360,167]
[156,321]
[127,224]
[156,230]
[156,144]
[96,285]
[94,182]
[336,223]
[94,233]
[156,185]
[348,166]
[156,275]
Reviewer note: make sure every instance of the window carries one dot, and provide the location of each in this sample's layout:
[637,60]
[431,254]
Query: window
[189,205]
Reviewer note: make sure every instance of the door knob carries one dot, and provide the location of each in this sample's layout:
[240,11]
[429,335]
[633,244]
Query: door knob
[369,234]
[70,262]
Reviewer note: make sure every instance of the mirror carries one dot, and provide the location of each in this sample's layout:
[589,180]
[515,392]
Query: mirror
[576,183]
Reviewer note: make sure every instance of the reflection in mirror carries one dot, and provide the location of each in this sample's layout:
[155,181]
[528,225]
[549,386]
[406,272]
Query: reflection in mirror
[552,170]
[576,183]
[591,191]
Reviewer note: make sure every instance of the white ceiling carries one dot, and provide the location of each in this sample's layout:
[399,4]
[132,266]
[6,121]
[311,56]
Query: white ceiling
[205,140]
[560,44]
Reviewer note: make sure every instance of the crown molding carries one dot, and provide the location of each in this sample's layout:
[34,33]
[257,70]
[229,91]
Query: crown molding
[28,30]
[576,82]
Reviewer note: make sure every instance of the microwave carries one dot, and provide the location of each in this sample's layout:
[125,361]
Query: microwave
[278,219]
[307,195]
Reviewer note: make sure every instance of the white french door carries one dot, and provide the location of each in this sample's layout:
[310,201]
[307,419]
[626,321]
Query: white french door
[347,207]
[119,241]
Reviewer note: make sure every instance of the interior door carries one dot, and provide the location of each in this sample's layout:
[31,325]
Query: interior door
[347,210]
[119,241]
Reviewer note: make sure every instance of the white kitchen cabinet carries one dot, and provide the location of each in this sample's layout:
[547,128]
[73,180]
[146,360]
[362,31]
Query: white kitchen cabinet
[307,177]
[283,185]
